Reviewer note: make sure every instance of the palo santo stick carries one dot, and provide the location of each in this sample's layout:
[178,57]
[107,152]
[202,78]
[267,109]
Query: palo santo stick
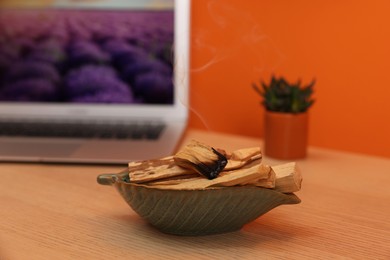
[165,168]
[241,157]
[245,175]
[169,167]
[146,171]
[257,180]
[201,158]
[288,177]
[265,177]
[266,183]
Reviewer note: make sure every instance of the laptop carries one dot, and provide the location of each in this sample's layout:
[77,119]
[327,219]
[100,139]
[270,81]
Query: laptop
[93,81]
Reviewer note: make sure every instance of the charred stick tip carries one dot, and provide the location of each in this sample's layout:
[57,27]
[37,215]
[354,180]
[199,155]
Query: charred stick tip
[203,159]
[212,169]
[222,160]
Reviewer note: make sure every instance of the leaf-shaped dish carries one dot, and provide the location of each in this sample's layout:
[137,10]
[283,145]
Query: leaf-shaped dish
[197,212]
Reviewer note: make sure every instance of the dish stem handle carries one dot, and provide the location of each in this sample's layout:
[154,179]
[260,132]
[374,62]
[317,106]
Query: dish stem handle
[107,179]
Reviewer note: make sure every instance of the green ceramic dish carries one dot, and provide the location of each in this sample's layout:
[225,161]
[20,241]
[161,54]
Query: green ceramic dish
[197,212]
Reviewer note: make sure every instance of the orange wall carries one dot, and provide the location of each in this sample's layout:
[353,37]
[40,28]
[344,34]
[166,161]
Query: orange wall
[345,45]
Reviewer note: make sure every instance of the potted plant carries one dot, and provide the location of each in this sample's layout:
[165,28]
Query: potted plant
[286,117]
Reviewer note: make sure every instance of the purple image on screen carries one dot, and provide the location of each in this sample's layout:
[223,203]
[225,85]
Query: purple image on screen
[86,56]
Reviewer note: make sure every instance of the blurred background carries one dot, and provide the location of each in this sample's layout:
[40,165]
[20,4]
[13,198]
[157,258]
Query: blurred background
[344,45]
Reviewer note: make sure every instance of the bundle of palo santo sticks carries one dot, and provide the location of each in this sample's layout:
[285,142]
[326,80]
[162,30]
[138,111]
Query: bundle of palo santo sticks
[198,166]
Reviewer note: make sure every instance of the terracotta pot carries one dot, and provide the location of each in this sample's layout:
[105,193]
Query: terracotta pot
[285,135]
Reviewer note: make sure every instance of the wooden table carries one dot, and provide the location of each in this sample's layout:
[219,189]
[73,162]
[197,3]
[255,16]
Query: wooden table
[60,212]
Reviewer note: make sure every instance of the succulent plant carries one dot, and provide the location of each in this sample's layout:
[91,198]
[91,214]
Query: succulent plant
[282,96]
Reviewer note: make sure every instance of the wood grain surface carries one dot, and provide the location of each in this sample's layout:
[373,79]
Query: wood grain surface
[53,211]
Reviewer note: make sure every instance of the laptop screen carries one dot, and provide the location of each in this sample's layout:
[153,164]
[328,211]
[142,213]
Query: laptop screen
[88,52]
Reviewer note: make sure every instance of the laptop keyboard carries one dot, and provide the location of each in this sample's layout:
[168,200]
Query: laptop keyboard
[150,131]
